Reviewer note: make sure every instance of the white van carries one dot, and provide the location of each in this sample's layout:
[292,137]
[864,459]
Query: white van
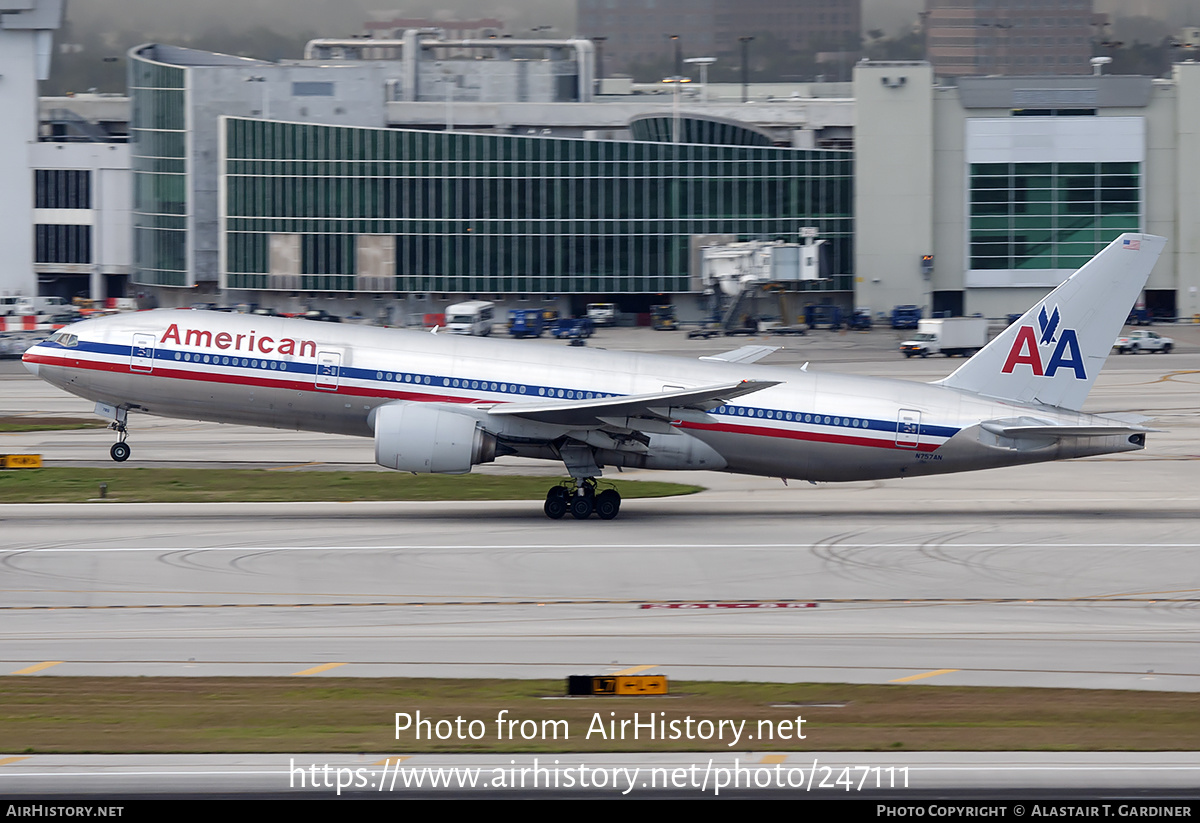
[44,305]
[473,317]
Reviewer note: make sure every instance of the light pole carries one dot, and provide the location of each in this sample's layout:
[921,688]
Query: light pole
[745,41]
[703,63]
[599,41]
[447,76]
[676,86]
[678,53]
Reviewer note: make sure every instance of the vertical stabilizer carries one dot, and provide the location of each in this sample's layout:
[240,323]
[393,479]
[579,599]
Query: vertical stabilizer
[1054,352]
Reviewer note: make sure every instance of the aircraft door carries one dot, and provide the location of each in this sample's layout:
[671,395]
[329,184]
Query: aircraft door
[329,370]
[908,428]
[141,356]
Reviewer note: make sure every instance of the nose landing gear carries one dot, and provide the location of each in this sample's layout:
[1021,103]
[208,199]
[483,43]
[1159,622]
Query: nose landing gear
[120,450]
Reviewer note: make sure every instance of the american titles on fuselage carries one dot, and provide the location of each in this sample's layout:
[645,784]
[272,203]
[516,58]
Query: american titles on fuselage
[203,338]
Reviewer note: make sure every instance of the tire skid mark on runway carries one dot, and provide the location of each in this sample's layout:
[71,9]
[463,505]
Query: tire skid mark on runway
[237,562]
[842,558]
[182,559]
[944,549]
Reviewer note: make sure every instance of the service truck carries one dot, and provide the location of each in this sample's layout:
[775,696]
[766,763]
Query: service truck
[948,335]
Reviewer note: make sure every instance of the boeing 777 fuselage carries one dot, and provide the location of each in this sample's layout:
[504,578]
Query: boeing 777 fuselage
[443,403]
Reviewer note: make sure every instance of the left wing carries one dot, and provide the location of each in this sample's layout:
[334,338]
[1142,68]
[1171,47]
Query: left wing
[638,411]
[746,354]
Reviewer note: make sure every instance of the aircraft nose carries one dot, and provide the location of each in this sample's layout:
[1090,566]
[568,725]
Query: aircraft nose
[29,364]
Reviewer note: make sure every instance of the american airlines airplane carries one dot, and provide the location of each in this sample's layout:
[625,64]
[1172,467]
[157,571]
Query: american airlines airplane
[444,403]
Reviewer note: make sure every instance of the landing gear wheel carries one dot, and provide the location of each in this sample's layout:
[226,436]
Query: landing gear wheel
[119,452]
[581,506]
[608,503]
[556,503]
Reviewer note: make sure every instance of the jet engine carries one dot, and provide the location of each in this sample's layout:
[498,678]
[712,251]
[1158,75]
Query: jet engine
[420,437]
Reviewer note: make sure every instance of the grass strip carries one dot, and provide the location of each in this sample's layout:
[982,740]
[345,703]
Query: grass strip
[152,485]
[329,714]
[23,423]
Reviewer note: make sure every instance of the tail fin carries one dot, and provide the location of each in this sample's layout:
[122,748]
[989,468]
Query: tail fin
[1053,353]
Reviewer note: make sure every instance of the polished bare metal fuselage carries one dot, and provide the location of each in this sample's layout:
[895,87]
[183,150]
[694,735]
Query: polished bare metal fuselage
[231,368]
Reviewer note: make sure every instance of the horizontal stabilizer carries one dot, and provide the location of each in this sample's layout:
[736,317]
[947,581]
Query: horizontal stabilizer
[746,354]
[1002,429]
[659,406]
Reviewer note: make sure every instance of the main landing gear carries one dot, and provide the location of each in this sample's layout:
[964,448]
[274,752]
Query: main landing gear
[120,450]
[581,499]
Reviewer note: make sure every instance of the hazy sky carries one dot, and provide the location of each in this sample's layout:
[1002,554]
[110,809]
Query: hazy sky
[329,17]
[344,17]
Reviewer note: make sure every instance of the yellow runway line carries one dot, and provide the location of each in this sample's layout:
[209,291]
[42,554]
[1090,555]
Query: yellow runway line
[318,669]
[37,667]
[922,676]
[633,670]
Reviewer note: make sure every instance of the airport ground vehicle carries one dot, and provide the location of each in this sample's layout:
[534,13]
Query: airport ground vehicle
[602,314]
[526,323]
[828,316]
[441,404]
[1142,340]
[573,328]
[951,336]
[664,318]
[474,317]
[906,317]
[44,305]
[320,315]
[8,304]
[860,320]
[1138,317]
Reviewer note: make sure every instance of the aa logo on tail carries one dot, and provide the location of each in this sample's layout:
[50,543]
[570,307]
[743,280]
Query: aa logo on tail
[1027,348]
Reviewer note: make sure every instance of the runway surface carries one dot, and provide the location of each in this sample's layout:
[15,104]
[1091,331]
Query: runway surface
[928,784]
[1081,574]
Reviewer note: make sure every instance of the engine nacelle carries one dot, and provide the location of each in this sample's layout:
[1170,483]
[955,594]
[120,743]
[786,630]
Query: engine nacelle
[416,437]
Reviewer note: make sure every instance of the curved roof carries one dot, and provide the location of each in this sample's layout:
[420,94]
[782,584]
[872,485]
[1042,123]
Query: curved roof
[657,127]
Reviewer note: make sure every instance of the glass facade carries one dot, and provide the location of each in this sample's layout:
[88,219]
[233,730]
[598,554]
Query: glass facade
[56,243]
[497,214]
[1049,215]
[661,128]
[158,138]
[62,188]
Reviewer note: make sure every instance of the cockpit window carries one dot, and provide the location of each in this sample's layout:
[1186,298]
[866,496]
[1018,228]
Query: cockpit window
[69,341]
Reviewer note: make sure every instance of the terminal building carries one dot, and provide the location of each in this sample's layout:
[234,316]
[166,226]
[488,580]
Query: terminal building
[1011,183]
[391,177]
[386,185]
